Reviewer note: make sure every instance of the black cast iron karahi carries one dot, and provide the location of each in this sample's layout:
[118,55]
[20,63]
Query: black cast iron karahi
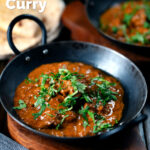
[97,56]
[95,8]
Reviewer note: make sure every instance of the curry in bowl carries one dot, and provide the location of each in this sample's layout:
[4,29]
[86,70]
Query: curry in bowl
[69,100]
[128,22]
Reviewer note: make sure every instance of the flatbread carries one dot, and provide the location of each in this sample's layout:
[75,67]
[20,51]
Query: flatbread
[50,18]
[25,27]
[27,33]
[21,43]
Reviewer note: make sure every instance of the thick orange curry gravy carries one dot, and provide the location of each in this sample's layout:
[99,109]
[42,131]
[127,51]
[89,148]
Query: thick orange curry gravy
[83,117]
[128,22]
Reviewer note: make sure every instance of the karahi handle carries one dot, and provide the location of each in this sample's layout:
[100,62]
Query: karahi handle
[17,19]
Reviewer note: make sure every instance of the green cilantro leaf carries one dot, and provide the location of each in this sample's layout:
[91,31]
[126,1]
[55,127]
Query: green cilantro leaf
[87,98]
[127,18]
[61,122]
[116,121]
[146,24]
[63,111]
[114,29]
[50,115]
[83,112]
[36,115]
[91,114]
[44,78]
[70,100]
[78,85]
[40,101]
[147,10]
[52,91]
[28,80]
[21,105]
[101,126]
[138,38]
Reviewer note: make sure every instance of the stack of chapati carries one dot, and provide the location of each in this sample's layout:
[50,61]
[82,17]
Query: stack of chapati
[27,33]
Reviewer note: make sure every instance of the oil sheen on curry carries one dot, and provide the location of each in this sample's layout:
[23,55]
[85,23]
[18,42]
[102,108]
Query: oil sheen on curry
[128,22]
[69,100]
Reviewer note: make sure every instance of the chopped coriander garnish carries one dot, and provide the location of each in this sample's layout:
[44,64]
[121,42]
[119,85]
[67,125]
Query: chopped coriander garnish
[103,88]
[78,85]
[63,111]
[36,115]
[146,24]
[128,16]
[70,100]
[61,122]
[91,114]
[147,10]
[87,98]
[116,121]
[40,101]
[83,112]
[52,91]
[85,123]
[22,105]
[101,126]
[127,19]
[44,78]
[28,80]
[137,38]
[97,120]
[114,29]
[50,115]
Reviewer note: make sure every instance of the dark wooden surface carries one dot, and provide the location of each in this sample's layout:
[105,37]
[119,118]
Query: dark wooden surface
[138,138]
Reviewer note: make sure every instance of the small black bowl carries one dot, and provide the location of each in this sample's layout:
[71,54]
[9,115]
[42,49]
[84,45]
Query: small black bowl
[95,8]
